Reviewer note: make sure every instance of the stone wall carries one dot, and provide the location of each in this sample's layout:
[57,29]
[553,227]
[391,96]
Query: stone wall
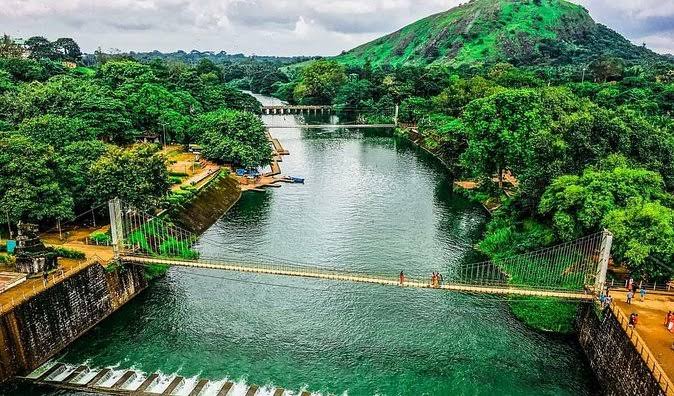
[43,326]
[613,357]
[213,202]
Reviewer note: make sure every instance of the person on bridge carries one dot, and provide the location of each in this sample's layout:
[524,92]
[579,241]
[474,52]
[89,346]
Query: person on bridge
[434,279]
[402,278]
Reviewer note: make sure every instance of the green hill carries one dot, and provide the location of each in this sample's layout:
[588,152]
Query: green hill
[522,32]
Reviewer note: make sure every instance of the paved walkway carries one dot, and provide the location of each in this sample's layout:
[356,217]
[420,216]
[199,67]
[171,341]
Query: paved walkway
[206,172]
[652,312]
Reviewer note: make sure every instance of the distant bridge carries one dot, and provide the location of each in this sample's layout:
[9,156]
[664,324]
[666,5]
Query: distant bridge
[572,270]
[325,126]
[296,109]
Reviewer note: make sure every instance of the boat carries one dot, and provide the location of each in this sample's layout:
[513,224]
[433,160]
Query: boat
[296,179]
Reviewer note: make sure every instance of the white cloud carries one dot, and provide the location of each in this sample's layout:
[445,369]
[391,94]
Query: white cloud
[280,27]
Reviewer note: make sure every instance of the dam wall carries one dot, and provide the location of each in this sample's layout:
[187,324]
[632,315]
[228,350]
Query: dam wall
[622,363]
[43,325]
[212,202]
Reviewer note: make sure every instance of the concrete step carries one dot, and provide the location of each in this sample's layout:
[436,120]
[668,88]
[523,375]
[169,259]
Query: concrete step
[279,392]
[197,389]
[177,381]
[101,376]
[128,376]
[225,388]
[75,374]
[55,370]
[252,390]
[146,384]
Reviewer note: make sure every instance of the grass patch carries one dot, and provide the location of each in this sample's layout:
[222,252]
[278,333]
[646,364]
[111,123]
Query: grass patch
[100,238]
[547,314]
[153,271]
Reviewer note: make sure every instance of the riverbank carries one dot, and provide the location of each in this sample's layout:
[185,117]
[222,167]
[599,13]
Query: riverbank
[541,314]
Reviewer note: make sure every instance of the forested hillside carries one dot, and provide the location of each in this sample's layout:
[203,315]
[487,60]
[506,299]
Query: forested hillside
[521,32]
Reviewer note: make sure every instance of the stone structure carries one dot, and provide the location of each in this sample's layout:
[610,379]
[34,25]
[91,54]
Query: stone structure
[32,256]
[41,327]
[614,359]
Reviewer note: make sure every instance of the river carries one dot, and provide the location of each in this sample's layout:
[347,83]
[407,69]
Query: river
[373,203]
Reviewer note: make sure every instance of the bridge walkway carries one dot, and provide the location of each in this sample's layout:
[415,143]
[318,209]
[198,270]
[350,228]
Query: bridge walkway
[360,278]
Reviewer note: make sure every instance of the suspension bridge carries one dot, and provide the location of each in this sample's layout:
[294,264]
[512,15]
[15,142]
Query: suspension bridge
[573,270]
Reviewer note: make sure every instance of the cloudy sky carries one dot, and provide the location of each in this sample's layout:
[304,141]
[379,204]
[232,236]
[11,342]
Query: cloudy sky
[275,27]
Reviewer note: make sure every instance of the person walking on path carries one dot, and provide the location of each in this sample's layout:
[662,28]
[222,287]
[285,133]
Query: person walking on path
[402,278]
[642,293]
[630,295]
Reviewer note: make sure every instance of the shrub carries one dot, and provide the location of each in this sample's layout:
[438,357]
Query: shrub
[100,237]
[69,253]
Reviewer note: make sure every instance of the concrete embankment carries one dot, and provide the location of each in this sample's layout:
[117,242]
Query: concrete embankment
[42,326]
[212,202]
[622,363]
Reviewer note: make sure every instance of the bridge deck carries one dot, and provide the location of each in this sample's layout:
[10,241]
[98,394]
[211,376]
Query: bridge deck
[317,274]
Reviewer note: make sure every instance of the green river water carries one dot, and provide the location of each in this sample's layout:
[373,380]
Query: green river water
[371,203]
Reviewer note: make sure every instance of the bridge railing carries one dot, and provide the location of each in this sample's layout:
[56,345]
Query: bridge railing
[568,267]
[498,279]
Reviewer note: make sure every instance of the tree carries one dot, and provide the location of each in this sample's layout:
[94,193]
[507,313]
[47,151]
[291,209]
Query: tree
[499,131]
[57,131]
[607,68]
[68,49]
[6,83]
[9,49]
[155,108]
[39,47]
[206,66]
[24,70]
[120,72]
[578,205]
[643,237]
[29,186]
[230,136]
[74,163]
[137,175]
[74,97]
[320,82]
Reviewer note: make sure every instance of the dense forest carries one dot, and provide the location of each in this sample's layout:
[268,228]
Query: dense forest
[588,152]
[563,147]
[71,136]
